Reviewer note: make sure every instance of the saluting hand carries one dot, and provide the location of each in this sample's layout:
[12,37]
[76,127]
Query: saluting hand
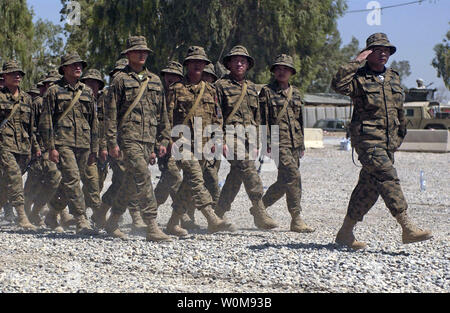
[363,55]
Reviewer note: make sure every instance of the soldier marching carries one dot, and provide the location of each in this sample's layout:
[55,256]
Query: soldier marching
[72,129]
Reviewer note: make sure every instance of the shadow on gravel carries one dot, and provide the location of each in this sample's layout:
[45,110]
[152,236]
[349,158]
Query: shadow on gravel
[330,247]
[47,233]
[296,246]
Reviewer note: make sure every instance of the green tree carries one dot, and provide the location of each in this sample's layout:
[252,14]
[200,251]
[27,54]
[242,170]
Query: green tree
[77,35]
[403,68]
[35,46]
[48,46]
[441,61]
[16,37]
[265,27]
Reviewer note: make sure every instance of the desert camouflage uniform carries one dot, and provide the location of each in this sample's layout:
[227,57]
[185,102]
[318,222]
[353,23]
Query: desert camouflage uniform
[181,99]
[43,176]
[74,137]
[377,129]
[241,171]
[17,142]
[91,179]
[170,179]
[291,144]
[145,126]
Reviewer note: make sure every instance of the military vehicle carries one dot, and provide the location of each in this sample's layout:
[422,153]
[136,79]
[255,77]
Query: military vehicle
[423,112]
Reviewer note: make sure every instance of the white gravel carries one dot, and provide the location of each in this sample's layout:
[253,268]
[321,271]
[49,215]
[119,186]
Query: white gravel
[250,260]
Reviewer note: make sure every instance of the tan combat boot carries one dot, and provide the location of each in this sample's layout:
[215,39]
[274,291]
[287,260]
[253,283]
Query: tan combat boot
[22,219]
[261,218]
[138,224]
[298,225]
[112,226]
[188,223]
[35,218]
[173,228]
[154,233]
[84,226]
[411,233]
[215,223]
[99,216]
[51,220]
[66,219]
[345,235]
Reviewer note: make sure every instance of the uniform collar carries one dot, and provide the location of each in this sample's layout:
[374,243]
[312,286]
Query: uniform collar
[276,87]
[65,84]
[228,76]
[135,75]
[6,91]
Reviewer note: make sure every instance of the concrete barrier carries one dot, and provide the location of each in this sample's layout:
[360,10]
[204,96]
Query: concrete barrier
[313,138]
[425,140]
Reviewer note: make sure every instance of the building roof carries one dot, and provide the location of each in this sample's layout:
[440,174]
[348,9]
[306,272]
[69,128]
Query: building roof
[326,98]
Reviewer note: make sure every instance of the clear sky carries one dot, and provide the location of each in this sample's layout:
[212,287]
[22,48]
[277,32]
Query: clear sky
[414,29]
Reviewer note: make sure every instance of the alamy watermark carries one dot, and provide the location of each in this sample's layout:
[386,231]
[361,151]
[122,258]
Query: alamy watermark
[374,16]
[242,142]
[74,13]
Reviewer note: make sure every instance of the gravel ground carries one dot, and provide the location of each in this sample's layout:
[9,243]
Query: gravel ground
[250,260]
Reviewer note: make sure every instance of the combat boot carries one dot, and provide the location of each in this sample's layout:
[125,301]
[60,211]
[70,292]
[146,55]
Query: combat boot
[66,219]
[215,223]
[51,220]
[154,233]
[188,223]
[298,225]
[22,219]
[99,216]
[35,218]
[84,227]
[345,235]
[112,226]
[410,232]
[9,213]
[261,218]
[173,228]
[138,224]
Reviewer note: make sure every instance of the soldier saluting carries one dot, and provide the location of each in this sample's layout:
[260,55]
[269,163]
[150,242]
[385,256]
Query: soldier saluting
[377,129]
[17,140]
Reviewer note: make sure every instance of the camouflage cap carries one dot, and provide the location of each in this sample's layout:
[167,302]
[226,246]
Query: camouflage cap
[173,68]
[210,70]
[120,65]
[70,58]
[284,59]
[34,91]
[196,53]
[11,67]
[52,76]
[136,43]
[95,75]
[379,39]
[241,51]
